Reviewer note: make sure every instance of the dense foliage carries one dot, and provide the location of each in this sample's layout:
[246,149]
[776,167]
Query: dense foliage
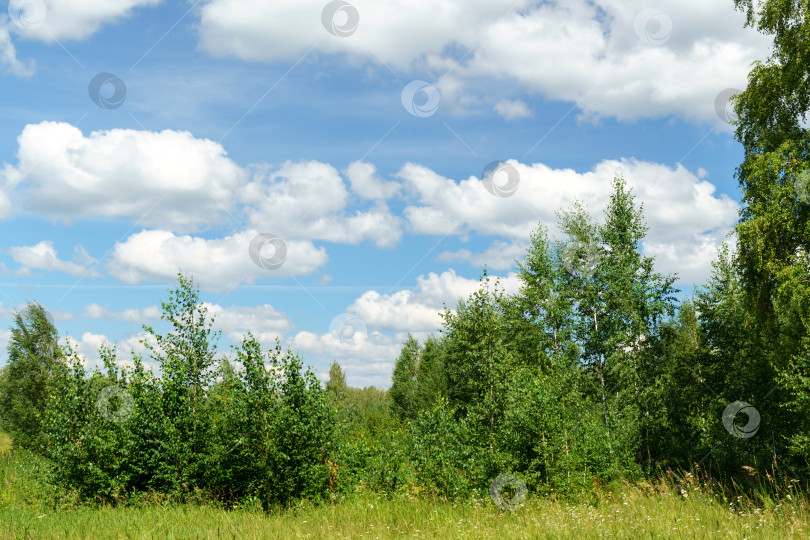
[257,426]
[591,373]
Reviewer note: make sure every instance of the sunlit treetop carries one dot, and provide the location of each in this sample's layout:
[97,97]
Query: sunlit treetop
[775,104]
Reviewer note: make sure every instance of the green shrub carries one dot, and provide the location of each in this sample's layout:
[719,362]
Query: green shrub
[261,431]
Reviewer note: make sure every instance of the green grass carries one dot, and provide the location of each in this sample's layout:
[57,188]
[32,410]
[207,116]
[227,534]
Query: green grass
[648,511]
[5,444]
[637,517]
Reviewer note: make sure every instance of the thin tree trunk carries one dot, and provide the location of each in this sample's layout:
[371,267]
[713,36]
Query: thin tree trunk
[646,409]
[602,380]
[491,397]
[647,432]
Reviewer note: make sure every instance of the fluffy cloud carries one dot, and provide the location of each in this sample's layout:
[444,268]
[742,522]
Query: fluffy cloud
[132,315]
[396,31]
[43,256]
[9,62]
[68,19]
[7,312]
[499,256]
[369,359]
[307,201]
[87,349]
[612,57]
[174,181]
[368,363]
[5,337]
[367,184]
[218,264]
[512,110]
[262,320]
[419,310]
[5,204]
[162,179]
[398,311]
[687,219]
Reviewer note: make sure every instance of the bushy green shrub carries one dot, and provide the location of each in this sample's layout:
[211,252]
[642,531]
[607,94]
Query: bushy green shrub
[382,465]
[263,430]
[444,453]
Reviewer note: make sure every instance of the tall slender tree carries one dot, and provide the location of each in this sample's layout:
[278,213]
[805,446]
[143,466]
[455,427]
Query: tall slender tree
[403,385]
[622,303]
[336,385]
[774,227]
[186,358]
[639,301]
[431,375]
[32,352]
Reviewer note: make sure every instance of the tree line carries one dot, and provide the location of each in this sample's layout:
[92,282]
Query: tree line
[594,372]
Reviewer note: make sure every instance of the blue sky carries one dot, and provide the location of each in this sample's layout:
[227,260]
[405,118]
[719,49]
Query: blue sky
[296,119]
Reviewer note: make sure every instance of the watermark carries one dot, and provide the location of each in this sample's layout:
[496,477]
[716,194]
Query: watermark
[27,14]
[100,95]
[508,484]
[581,259]
[115,404]
[340,18]
[653,26]
[279,251]
[349,329]
[724,107]
[751,426]
[802,186]
[420,99]
[500,179]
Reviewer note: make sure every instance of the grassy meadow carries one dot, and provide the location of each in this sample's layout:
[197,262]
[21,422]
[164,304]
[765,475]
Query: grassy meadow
[690,510]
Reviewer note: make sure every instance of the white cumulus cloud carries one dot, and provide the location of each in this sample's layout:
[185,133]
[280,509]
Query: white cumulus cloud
[163,179]
[218,264]
[611,57]
[52,20]
[365,182]
[308,200]
[685,214]
[419,310]
[499,255]
[43,256]
[9,62]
